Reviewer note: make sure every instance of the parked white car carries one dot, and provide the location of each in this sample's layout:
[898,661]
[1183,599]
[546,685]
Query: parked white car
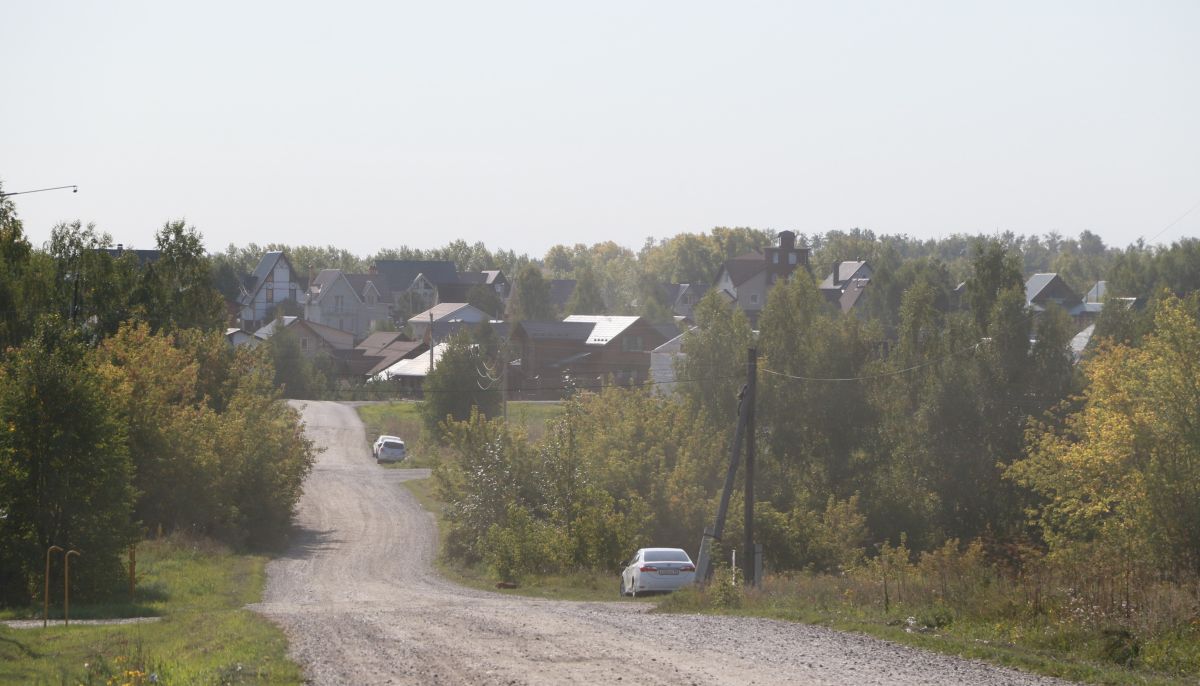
[388,449]
[653,570]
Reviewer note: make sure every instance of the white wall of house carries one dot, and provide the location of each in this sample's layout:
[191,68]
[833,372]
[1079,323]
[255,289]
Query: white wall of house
[279,286]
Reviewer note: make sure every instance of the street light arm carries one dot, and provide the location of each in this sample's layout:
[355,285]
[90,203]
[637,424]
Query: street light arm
[74,189]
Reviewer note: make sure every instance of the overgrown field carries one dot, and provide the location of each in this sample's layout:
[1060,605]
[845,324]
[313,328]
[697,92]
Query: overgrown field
[204,636]
[403,419]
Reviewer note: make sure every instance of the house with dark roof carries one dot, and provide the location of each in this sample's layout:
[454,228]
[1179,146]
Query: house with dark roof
[847,284]
[273,282]
[561,291]
[746,279]
[460,290]
[334,300]
[682,297]
[443,313]
[581,350]
[414,283]
[1044,289]
[144,257]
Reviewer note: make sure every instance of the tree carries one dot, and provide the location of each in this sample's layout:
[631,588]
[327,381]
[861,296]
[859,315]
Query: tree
[486,299]
[1122,473]
[713,365]
[995,271]
[177,290]
[531,296]
[586,299]
[453,390]
[65,474]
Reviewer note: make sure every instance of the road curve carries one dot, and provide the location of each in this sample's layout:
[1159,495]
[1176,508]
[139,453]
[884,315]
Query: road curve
[357,596]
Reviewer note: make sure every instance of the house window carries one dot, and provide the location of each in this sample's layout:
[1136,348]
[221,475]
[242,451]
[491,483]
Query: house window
[292,292]
[754,298]
[270,293]
[631,344]
[371,300]
[337,303]
[304,343]
[792,258]
[775,258]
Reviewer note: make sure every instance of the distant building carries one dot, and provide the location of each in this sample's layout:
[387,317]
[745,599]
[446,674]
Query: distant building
[333,299]
[847,284]
[746,279]
[273,282]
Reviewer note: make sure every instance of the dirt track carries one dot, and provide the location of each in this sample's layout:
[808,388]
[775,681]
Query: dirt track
[360,603]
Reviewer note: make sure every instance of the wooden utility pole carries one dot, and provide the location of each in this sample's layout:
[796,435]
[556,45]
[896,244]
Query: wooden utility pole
[748,541]
[744,427]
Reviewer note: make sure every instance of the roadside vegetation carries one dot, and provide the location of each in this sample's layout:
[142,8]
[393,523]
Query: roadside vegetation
[204,634]
[1016,506]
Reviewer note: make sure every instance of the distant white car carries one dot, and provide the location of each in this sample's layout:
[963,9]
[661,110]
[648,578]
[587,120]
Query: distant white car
[657,570]
[388,449]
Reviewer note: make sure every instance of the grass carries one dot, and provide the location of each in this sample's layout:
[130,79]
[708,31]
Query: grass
[205,635]
[1021,640]
[403,418]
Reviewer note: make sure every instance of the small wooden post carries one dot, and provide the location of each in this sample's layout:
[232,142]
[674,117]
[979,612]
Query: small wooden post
[132,571]
[67,586]
[46,595]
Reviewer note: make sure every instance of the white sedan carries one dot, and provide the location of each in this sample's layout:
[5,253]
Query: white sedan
[388,449]
[657,570]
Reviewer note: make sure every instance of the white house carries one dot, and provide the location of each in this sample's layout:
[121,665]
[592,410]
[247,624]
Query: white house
[333,300]
[273,282]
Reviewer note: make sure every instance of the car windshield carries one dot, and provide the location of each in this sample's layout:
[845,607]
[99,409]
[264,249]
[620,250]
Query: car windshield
[666,556]
[393,445]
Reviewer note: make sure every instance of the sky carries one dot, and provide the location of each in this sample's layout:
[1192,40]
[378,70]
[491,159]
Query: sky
[371,125]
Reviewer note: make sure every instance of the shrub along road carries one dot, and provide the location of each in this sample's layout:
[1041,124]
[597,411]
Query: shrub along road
[360,603]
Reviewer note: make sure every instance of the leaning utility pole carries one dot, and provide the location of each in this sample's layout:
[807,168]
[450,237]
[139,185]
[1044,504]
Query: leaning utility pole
[748,550]
[714,533]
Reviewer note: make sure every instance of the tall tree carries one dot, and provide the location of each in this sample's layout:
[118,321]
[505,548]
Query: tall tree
[65,474]
[586,299]
[531,296]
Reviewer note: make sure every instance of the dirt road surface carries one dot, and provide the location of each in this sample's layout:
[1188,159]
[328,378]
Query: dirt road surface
[360,603]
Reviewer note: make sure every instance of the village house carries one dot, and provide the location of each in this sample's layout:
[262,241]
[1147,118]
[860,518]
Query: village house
[746,279]
[273,283]
[846,284]
[334,300]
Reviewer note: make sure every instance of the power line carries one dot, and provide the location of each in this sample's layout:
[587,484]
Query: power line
[1181,218]
[881,375]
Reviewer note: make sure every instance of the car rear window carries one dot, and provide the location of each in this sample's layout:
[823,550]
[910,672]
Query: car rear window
[666,556]
[393,445]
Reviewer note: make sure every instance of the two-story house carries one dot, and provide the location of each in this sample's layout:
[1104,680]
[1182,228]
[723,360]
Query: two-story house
[584,351]
[334,299]
[746,279]
[273,282]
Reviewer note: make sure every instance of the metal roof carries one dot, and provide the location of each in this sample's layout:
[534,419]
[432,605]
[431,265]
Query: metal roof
[606,327]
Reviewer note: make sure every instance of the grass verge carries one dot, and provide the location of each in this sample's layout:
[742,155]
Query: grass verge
[1029,643]
[403,418]
[204,636]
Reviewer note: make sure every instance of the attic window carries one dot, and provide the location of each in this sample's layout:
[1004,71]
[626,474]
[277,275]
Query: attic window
[270,292]
[754,298]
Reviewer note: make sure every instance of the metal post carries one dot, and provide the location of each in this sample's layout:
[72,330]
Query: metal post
[46,596]
[67,586]
[751,387]
[704,571]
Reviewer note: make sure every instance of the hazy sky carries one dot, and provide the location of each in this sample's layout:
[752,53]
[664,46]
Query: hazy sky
[371,125]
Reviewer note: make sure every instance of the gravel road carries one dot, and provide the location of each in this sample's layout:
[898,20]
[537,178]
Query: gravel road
[360,603]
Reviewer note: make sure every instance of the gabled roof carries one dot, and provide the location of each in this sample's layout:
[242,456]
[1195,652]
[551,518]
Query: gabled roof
[401,273]
[361,282]
[1097,293]
[846,270]
[324,280]
[490,275]
[261,272]
[1036,284]
[447,311]
[144,257]
[471,278]
[606,327]
[445,329]
[854,289]
[558,331]
[413,366]
[744,267]
[400,350]
[380,340]
[334,337]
